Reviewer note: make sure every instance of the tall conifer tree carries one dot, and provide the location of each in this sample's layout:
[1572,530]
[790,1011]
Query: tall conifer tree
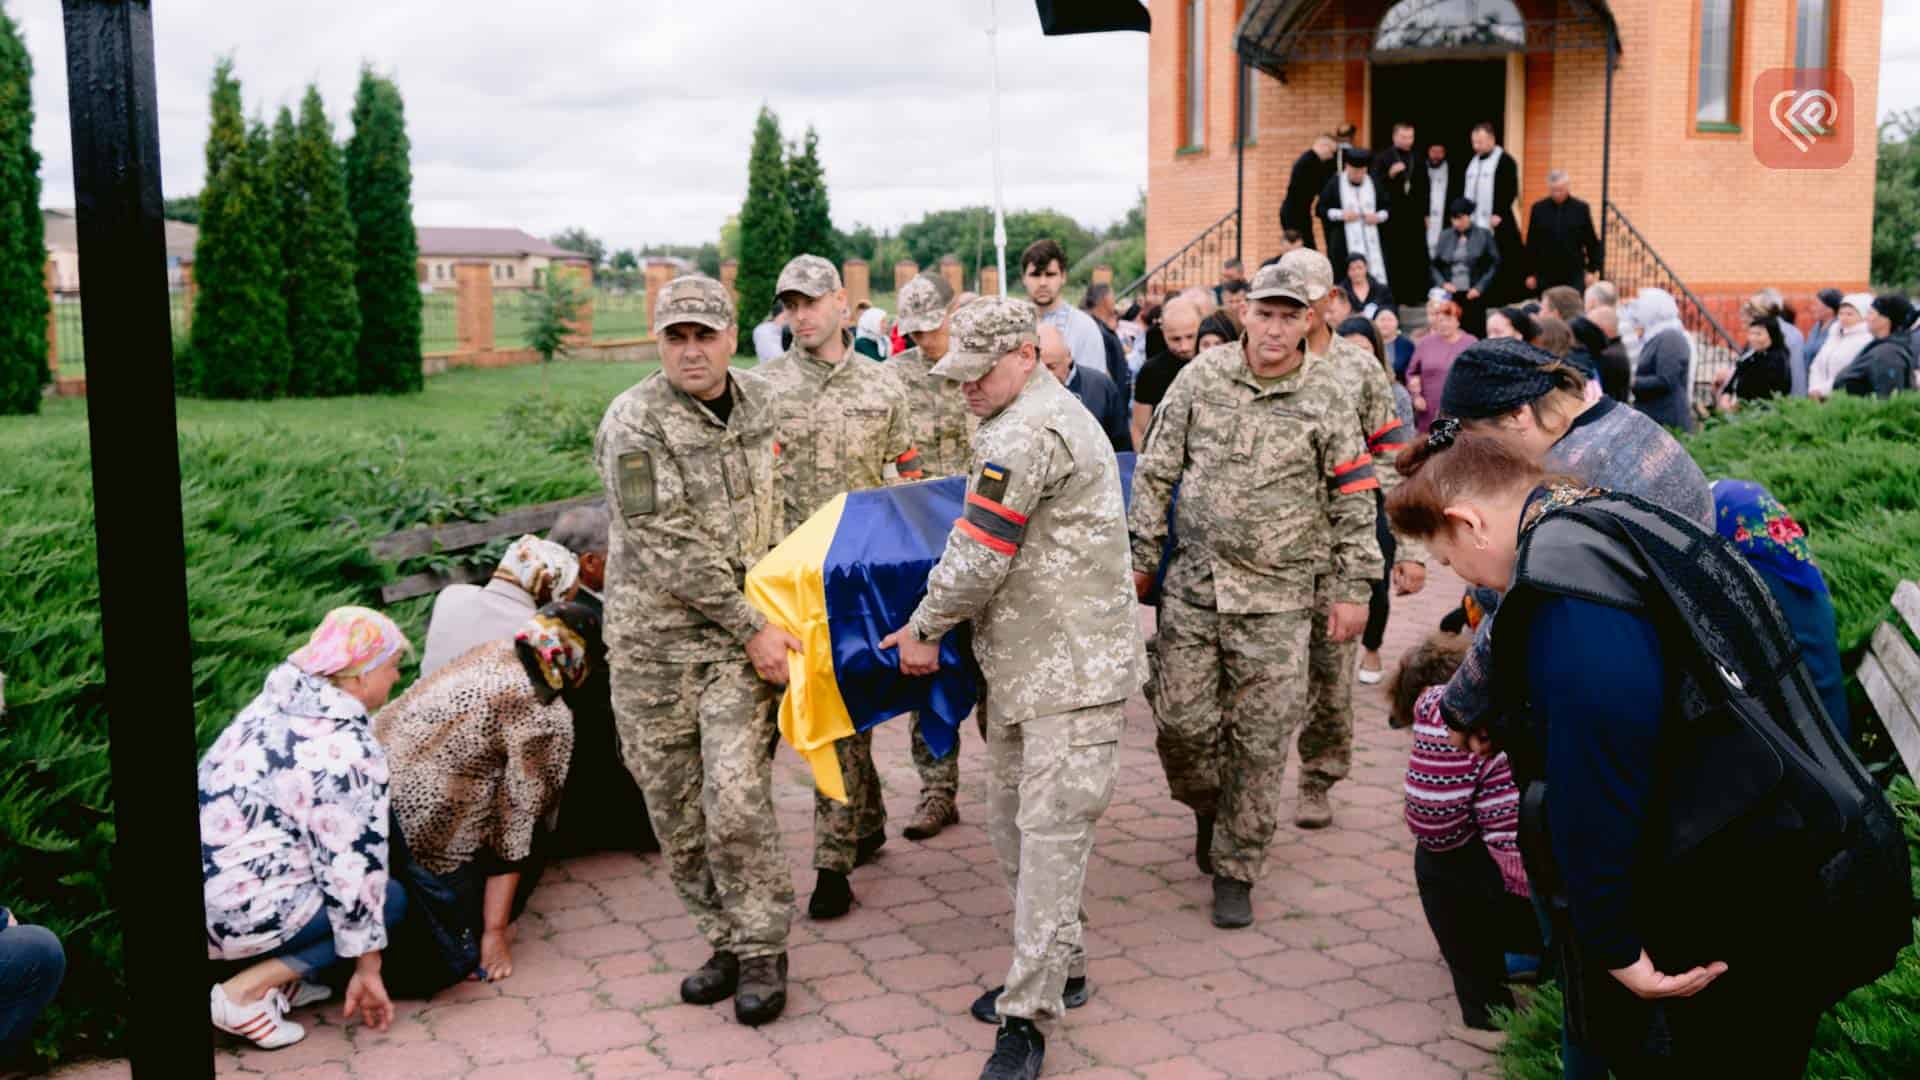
[23,250]
[807,194]
[387,250]
[323,310]
[240,316]
[766,222]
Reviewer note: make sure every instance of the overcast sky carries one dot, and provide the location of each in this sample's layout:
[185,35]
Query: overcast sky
[634,120]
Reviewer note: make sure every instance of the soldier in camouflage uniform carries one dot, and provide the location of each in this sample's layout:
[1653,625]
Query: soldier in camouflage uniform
[1038,563]
[687,459]
[1326,739]
[842,422]
[1276,489]
[942,430]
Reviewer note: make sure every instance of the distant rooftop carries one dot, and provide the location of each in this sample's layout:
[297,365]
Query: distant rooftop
[461,242]
[63,234]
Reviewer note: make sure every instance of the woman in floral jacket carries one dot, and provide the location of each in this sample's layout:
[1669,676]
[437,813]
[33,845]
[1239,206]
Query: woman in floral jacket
[293,833]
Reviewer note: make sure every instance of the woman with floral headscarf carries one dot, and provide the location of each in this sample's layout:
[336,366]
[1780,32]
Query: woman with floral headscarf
[533,573]
[293,833]
[480,751]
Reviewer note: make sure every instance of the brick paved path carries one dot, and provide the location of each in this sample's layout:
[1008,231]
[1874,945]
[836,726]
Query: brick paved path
[1338,976]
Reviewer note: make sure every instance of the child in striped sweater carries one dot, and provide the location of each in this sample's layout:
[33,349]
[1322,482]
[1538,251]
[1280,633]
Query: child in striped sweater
[1464,813]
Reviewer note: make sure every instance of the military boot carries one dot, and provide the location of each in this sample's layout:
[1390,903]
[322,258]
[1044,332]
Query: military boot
[934,815]
[763,989]
[1203,842]
[832,896]
[986,1007]
[1312,809]
[713,982]
[1017,1052]
[868,846]
[1232,903]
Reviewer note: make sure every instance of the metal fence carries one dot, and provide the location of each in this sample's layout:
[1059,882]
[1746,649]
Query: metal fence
[513,318]
[619,314]
[1631,265]
[439,322]
[69,334]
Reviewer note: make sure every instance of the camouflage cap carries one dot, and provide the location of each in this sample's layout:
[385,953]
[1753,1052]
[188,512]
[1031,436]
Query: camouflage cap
[808,275]
[923,303]
[695,298]
[1279,280]
[984,331]
[1314,270]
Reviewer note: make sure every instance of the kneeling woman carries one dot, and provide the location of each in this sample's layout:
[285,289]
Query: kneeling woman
[480,751]
[1681,806]
[293,834]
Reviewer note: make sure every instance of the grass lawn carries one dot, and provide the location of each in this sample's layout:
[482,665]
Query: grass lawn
[280,500]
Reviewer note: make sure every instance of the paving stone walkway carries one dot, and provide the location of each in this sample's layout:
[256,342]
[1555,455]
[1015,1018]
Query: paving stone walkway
[1339,976]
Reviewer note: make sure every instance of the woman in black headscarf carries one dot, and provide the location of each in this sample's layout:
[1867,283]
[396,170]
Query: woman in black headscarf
[1763,371]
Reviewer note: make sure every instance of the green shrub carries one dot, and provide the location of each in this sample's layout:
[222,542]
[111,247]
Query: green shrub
[23,253]
[385,278]
[280,500]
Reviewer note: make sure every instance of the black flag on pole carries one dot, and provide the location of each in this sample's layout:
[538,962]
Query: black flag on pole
[1059,17]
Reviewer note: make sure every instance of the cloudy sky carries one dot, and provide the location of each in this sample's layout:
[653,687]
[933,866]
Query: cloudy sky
[637,125]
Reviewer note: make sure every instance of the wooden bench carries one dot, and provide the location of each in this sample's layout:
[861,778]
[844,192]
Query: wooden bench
[463,536]
[1890,674]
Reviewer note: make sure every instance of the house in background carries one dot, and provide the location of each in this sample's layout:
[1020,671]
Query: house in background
[1648,104]
[517,259]
[63,247]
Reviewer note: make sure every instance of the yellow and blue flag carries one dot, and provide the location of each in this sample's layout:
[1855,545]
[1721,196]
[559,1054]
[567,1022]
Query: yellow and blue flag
[850,575]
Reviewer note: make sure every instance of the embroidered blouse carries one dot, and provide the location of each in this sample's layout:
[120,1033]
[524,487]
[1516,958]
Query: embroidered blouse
[293,821]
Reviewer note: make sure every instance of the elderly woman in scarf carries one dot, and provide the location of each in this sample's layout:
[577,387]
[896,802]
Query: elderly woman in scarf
[293,834]
[1776,546]
[533,573]
[1849,336]
[480,751]
[1663,372]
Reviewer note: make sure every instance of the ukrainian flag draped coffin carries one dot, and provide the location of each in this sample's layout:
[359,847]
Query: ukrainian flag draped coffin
[849,576]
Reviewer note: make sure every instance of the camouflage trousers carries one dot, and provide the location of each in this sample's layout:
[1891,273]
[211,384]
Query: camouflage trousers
[1326,740]
[939,777]
[1051,779]
[695,737]
[837,826]
[1228,691]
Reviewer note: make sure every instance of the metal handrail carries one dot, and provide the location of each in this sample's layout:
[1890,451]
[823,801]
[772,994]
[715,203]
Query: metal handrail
[1648,250]
[1230,215]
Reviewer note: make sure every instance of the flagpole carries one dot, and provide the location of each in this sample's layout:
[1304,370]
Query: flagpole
[999,214]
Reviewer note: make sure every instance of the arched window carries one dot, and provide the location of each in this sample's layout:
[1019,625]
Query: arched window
[1451,25]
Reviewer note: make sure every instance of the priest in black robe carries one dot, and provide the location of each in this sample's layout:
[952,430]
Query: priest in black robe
[1355,215]
[1562,246]
[1492,181]
[1442,182]
[1311,171]
[1400,177]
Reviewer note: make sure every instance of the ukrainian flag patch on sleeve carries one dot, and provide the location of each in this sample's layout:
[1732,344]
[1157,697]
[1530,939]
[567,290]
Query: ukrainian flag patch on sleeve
[993,482]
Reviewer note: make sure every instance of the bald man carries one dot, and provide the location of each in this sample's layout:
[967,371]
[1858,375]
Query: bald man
[1095,389]
[1180,325]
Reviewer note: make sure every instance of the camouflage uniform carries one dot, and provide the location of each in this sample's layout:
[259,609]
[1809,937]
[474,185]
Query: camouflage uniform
[942,428]
[696,503]
[842,427]
[1326,740]
[1275,490]
[1038,563]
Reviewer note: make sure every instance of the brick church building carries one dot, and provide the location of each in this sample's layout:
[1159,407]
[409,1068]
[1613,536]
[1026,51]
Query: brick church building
[1670,138]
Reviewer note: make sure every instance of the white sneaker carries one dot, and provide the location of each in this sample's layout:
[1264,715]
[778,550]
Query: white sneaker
[1369,676]
[308,993]
[263,1023]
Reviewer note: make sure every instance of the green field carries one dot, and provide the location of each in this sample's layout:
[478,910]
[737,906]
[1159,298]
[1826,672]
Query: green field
[280,499]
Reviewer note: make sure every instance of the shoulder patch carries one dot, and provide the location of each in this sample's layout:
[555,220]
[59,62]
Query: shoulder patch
[636,484]
[993,481]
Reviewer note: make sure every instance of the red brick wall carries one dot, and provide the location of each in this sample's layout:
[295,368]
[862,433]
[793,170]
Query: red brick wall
[1724,222]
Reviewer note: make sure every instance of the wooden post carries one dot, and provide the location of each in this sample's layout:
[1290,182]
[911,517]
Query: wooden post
[53,325]
[903,272]
[989,281]
[582,323]
[855,274]
[113,114]
[658,274]
[189,293]
[1102,275]
[951,269]
[473,307]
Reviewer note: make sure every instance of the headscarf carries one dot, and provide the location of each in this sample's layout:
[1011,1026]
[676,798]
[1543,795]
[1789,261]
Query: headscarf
[1493,378]
[1221,325]
[1589,335]
[1655,312]
[873,327]
[1831,297]
[1895,308]
[1860,302]
[1749,515]
[557,646]
[350,641]
[543,568]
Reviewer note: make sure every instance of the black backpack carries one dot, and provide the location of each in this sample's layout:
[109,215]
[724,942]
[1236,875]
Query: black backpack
[1770,836]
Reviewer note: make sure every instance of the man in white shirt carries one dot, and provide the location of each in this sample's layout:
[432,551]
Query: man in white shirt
[1043,266]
